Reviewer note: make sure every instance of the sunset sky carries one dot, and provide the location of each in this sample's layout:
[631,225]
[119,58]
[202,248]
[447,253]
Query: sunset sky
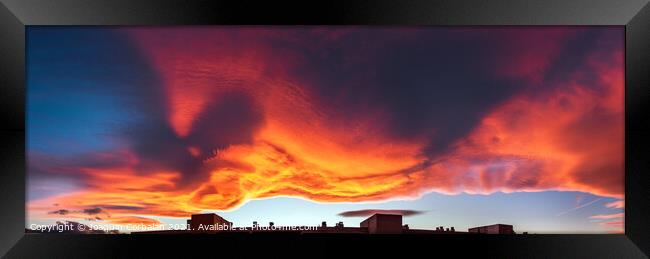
[451,126]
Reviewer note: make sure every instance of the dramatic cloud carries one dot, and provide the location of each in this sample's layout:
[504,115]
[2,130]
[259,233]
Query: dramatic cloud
[227,115]
[366,213]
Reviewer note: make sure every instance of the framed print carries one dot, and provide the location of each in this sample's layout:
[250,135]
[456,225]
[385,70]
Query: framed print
[163,128]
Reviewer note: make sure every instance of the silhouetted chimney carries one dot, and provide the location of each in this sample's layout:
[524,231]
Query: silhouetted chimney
[340,224]
[271,224]
[323,224]
[452,229]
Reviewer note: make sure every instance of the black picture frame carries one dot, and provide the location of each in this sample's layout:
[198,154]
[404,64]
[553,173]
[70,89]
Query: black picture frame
[15,15]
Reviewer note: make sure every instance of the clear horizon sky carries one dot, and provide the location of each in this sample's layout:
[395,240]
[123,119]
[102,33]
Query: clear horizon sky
[451,126]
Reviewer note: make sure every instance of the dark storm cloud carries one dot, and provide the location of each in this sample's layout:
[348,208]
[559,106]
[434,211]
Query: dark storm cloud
[574,57]
[233,116]
[370,212]
[158,148]
[428,81]
[437,82]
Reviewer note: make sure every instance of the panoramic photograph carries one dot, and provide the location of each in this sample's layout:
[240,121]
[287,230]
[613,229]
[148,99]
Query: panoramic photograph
[325,129]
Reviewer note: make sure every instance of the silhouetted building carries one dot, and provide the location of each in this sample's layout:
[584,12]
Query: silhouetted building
[375,224]
[383,224]
[493,229]
[208,222]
